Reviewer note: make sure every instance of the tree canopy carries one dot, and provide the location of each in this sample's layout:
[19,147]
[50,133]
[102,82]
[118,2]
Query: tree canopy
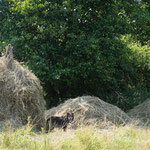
[92,47]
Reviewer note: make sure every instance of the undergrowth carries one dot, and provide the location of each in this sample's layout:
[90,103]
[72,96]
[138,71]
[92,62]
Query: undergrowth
[86,138]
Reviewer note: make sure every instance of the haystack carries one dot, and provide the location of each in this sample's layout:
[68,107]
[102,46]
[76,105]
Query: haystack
[21,94]
[141,113]
[90,111]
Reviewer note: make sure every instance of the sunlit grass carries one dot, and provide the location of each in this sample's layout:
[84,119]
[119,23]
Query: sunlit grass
[86,138]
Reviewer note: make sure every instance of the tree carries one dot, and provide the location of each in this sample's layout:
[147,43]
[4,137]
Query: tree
[76,47]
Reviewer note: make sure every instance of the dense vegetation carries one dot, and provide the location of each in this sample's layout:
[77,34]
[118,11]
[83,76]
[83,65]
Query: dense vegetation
[92,47]
[124,138]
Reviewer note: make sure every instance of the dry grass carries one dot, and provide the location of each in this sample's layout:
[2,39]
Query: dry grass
[21,94]
[90,111]
[141,112]
[85,138]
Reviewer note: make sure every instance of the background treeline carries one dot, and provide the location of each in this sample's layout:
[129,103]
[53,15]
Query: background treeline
[82,47]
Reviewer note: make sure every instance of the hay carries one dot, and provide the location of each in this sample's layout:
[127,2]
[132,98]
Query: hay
[90,111]
[141,113]
[21,94]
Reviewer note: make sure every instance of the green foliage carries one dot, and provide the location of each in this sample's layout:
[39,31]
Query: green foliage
[119,138]
[87,138]
[138,16]
[141,22]
[23,138]
[89,142]
[81,47]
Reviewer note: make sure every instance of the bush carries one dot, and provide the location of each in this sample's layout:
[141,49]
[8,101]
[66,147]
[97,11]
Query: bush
[77,48]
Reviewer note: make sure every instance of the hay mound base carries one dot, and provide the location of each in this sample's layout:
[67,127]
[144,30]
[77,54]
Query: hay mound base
[141,113]
[21,94]
[90,111]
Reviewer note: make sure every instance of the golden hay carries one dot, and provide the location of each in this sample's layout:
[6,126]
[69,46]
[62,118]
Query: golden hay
[141,113]
[90,111]
[21,94]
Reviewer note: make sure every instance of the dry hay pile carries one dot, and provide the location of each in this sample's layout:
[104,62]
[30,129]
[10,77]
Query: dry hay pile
[90,111]
[21,94]
[141,113]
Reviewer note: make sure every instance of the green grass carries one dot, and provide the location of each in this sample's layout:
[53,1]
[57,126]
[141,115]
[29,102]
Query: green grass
[87,138]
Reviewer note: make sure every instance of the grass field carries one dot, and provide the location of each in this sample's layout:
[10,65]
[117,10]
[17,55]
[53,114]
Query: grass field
[86,138]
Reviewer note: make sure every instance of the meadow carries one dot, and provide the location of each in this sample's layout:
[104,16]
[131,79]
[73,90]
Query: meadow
[84,138]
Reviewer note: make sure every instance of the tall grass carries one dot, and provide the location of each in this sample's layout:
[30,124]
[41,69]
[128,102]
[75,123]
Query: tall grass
[87,138]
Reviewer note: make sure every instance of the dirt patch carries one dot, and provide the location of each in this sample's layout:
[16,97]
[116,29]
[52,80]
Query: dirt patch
[90,111]
[21,94]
